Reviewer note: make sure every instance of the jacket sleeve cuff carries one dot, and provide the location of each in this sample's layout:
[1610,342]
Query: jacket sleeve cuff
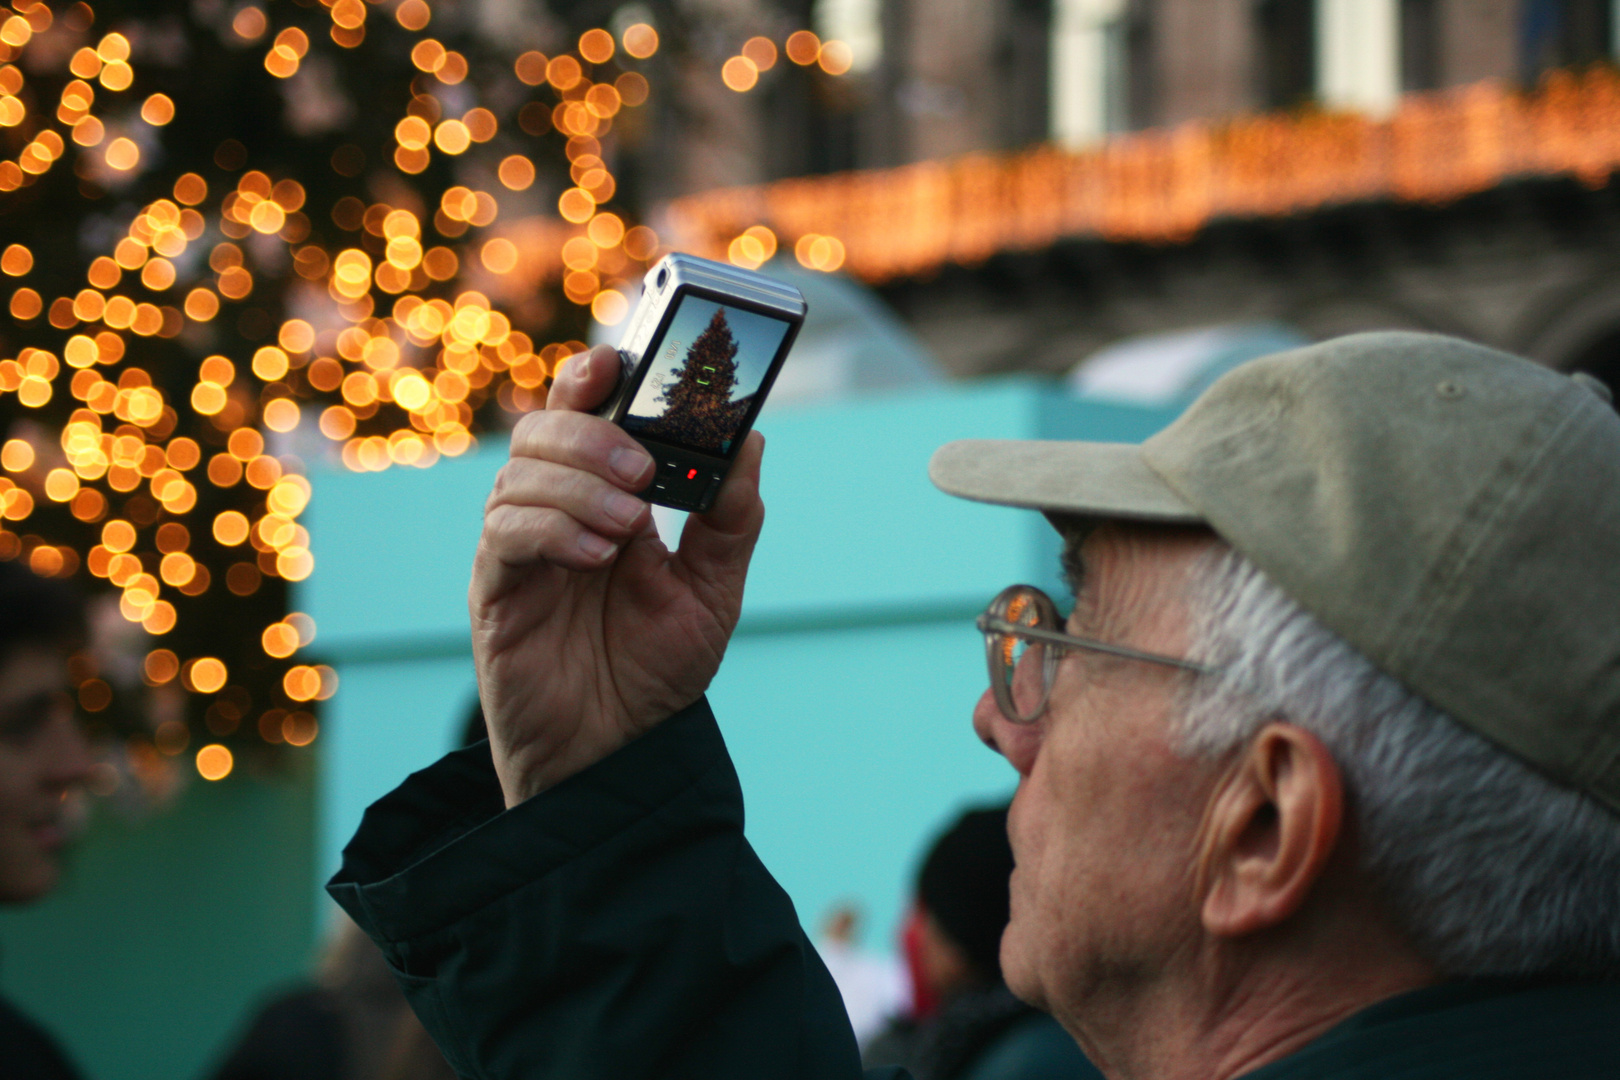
[442,845]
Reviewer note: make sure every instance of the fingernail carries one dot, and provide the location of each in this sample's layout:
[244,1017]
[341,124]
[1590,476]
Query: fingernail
[580,366]
[629,465]
[596,547]
[621,507]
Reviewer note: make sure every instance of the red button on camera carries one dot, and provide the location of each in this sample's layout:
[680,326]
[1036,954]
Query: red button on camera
[691,474]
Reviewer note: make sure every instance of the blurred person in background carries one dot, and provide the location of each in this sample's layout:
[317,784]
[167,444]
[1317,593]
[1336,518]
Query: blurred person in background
[351,1023]
[873,986]
[964,1023]
[1320,780]
[44,760]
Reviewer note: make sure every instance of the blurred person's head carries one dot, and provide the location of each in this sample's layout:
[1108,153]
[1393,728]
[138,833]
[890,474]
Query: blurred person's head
[43,753]
[1364,734]
[842,924]
[953,939]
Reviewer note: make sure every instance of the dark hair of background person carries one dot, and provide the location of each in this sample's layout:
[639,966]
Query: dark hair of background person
[963,885]
[37,611]
[979,1029]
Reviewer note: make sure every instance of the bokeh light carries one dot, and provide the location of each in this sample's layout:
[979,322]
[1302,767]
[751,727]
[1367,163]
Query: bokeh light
[835,57]
[761,51]
[385,324]
[739,73]
[803,47]
[640,40]
[215,762]
[205,675]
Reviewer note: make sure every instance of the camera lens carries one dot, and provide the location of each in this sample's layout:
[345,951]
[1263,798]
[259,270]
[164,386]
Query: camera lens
[663,279]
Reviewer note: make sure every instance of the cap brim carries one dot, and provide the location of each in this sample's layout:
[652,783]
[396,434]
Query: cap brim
[1106,480]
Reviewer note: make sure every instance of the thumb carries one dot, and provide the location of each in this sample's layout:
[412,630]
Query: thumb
[716,546]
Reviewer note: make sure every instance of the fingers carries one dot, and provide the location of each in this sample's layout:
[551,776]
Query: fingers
[565,495]
[519,536]
[583,442]
[586,380]
[592,500]
[717,546]
[738,502]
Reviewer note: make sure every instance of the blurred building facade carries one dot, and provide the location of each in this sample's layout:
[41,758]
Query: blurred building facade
[1520,258]
[934,79]
[1526,265]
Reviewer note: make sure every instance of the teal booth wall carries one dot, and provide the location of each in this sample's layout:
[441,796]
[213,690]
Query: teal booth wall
[845,698]
[846,694]
[167,930]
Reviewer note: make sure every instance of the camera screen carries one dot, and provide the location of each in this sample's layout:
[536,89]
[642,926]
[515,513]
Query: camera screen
[701,385]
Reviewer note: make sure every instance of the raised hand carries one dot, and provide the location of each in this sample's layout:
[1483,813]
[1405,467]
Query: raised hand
[586,629]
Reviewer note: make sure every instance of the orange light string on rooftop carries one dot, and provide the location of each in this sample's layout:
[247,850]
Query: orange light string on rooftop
[1163,186]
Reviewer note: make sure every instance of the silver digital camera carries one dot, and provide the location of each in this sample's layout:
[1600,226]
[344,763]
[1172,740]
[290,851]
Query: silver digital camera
[700,354]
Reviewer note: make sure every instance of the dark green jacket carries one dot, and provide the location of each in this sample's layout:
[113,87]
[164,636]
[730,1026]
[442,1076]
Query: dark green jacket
[620,926]
[1490,1029]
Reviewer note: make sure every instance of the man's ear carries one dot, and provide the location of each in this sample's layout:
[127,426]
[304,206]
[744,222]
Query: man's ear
[1269,831]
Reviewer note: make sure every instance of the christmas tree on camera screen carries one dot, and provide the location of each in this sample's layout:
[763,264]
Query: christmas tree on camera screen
[697,395]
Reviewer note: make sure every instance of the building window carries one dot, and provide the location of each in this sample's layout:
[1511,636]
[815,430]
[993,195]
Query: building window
[858,24]
[1285,32]
[1358,55]
[1088,62]
[1420,44]
[1562,33]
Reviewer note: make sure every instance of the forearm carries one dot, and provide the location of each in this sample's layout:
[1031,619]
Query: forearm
[616,925]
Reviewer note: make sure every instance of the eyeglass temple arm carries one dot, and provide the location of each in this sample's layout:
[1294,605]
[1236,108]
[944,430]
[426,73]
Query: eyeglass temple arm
[989,624]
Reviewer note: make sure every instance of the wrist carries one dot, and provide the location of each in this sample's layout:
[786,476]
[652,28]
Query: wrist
[527,770]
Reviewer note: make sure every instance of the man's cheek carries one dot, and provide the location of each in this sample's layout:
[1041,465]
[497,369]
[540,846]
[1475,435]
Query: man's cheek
[1019,948]
[1014,901]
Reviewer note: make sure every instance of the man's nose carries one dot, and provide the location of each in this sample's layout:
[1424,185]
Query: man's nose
[1018,743]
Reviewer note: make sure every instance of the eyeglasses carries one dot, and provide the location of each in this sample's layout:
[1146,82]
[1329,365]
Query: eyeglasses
[1023,645]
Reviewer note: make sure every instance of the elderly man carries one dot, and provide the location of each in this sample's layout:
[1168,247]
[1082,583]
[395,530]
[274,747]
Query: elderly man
[1320,779]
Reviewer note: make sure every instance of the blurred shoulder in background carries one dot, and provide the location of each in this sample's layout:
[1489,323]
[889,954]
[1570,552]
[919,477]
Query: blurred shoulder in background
[351,1022]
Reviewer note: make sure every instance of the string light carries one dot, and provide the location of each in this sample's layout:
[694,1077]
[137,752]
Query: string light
[1163,186]
[396,383]
[740,74]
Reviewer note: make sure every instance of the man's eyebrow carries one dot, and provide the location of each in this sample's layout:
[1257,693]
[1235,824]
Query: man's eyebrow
[1074,530]
[1074,568]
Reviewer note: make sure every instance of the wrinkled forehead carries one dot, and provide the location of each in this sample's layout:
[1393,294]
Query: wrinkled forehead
[1121,572]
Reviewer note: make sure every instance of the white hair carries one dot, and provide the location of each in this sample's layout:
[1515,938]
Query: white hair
[1488,865]
[1491,867]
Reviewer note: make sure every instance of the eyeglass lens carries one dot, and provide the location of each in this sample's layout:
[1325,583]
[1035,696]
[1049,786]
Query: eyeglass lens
[1022,670]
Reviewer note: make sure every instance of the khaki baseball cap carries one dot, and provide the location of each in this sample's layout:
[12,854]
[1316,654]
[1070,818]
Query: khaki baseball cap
[1451,511]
